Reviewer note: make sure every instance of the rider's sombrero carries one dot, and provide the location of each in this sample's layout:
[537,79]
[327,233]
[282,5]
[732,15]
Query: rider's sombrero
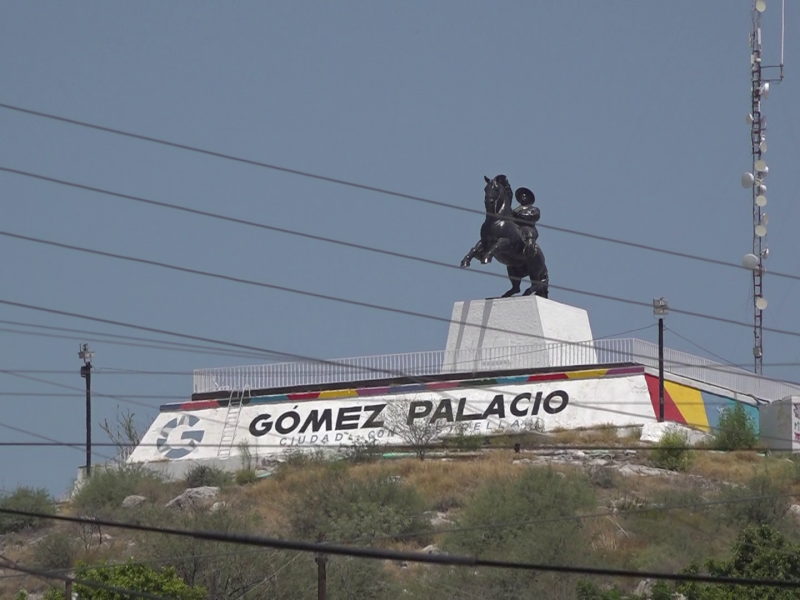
[524,196]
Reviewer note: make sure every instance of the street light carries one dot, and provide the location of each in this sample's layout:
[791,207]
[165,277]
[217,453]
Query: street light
[660,310]
[86,356]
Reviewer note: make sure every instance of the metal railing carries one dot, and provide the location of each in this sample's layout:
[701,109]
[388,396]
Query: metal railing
[434,362]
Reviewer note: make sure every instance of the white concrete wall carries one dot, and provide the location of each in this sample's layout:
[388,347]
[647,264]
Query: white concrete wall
[779,424]
[271,428]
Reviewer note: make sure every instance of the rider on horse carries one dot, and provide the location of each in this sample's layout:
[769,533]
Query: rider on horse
[526,215]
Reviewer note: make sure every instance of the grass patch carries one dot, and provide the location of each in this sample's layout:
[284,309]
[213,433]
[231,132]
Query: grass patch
[104,492]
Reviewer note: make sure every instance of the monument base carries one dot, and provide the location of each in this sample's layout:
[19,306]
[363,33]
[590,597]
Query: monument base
[517,333]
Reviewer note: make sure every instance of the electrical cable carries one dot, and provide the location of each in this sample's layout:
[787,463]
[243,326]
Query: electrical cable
[197,348]
[76,395]
[417,557]
[348,184]
[698,346]
[588,405]
[377,307]
[155,561]
[78,447]
[362,304]
[99,371]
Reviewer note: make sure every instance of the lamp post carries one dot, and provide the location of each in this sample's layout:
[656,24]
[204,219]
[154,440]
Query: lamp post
[660,310]
[86,356]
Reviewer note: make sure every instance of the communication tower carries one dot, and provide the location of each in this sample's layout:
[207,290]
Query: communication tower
[760,81]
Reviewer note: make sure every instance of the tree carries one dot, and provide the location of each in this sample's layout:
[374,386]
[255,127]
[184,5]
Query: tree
[124,433]
[736,430]
[417,428]
[132,576]
[760,553]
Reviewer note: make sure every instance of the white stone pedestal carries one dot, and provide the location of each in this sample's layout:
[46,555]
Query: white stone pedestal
[517,333]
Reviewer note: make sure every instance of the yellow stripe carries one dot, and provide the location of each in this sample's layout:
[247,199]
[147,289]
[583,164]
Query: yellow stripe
[587,374]
[690,402]
[337,394]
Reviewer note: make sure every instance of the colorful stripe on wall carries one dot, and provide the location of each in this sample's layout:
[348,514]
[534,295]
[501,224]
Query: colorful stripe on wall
[693,407]
[433,386]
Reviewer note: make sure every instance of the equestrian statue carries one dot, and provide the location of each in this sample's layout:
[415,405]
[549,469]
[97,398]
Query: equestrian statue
[510,236]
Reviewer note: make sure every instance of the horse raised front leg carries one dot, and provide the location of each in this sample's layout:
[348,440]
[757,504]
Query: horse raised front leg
[476,250]
[501,245]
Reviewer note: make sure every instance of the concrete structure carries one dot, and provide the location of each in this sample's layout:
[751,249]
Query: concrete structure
[509,365]
[779,424]
[499,324]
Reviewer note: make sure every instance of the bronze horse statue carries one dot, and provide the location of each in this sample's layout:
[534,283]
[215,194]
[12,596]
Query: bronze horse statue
[510,236]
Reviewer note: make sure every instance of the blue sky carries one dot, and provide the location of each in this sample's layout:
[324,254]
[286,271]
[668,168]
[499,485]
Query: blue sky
[627,119]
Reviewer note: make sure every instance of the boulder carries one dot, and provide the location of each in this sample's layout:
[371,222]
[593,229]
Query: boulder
[133,501]
[644,470]
[199,497]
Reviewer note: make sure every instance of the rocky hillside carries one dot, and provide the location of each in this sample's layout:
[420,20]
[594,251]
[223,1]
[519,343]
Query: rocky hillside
[642,507]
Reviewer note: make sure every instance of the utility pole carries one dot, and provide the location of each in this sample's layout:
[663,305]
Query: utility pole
[660,310]
[68,589]
[86,372]
[322,583]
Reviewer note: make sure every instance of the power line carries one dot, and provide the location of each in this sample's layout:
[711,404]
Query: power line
[588,405]
[698,346]
[324,239]
[299,356]
[394,555]
[348,301]
[178,346]
[362,304]
[66,395]
[98,371]
[155,561]
[78,447]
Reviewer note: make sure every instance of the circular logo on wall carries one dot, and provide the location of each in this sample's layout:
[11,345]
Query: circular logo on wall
[190,437]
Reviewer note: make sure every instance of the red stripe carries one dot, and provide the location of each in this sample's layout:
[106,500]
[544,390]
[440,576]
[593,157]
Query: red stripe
[548,377]
[303,396]
[671,412]
[199,405]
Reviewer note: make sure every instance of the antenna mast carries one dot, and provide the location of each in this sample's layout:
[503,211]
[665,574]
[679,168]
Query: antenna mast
[759,90]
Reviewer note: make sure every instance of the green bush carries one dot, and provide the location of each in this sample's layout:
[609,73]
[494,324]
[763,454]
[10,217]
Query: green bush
[763,501]
[138,577]
[758,553]
[29,500]
[105,490]
[343,507]
[245,476]
[736,430]
[56,551]
[206,475]
[672,452]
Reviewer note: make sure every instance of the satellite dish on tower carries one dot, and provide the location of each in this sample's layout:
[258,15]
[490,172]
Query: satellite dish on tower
[750,261]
